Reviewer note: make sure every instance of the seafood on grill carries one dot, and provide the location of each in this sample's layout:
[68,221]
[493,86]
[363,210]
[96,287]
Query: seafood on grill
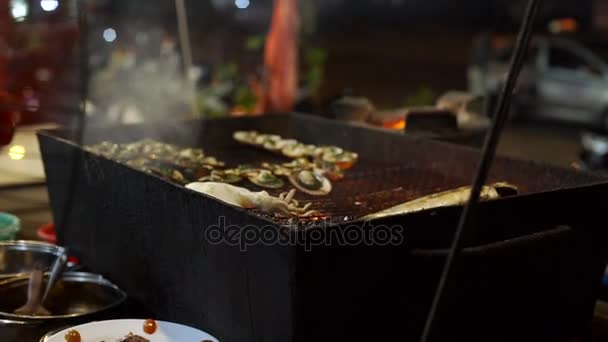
[298,164]
[181,165]
[286,169]
[212,161]
[311,169]
[344,160]
[277,169]
[266,179]
[229,176]
[279,145]
[298,150]
[245,137]
[311,182]
[294,149]
[447,198]
[283,206]
[330,170]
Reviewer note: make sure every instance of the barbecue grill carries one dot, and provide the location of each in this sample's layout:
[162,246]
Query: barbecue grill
[532,271]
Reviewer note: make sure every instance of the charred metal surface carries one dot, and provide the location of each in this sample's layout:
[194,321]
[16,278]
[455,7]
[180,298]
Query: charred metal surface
[149,237]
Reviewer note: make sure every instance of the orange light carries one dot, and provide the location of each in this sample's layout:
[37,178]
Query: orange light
[238,111]
[569,25]
[396,125]
[565,25]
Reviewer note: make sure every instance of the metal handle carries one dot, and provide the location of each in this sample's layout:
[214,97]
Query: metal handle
[54,273]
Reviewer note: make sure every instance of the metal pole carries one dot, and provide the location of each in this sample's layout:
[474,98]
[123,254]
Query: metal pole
[184,41]
[488,154]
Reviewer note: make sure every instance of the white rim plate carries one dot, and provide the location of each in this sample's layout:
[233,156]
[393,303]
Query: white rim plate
[115,330]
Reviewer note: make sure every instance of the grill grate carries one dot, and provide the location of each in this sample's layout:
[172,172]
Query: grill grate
[366,188]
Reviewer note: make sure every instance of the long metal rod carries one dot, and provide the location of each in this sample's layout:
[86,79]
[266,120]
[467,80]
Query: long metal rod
[79,126]
[488,154]
[186,48]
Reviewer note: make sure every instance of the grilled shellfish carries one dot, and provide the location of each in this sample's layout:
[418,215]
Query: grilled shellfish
[277,145]
[229,176]
[298,150]
[345,160]
[331,170]
[245,137]
[266,179]
[311,182]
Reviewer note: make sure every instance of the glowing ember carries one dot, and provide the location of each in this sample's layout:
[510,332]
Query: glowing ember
[396,125]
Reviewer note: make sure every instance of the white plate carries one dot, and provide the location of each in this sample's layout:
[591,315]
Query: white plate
[115,330]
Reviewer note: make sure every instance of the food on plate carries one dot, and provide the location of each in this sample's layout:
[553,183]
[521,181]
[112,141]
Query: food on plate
[447,198]
[134,338]
[72,336]
[150,326]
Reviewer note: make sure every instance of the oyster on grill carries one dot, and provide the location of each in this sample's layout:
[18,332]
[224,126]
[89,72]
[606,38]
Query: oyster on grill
[212,161]
[245,137]
[298,164]
[447,198]
[283,206]
[266,179]
[277,169]
[311,182]
[276,145]
[345,160]
[330,170]
[224,176]
[323,150]
[191,153]
[262,139]
[298,150]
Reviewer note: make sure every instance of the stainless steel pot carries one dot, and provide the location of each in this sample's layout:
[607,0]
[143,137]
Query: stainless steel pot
[76,295]
[17,258]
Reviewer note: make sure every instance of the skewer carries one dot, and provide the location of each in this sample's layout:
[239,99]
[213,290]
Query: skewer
[487,157]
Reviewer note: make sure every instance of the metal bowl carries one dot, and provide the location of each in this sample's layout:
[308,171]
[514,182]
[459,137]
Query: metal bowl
[76,294]
[17,258]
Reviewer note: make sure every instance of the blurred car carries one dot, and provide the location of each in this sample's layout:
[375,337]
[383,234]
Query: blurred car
[561,79]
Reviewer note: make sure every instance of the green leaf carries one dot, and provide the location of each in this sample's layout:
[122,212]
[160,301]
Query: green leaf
[255,43]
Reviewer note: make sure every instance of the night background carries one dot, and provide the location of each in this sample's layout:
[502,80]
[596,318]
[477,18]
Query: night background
[382,49]
[367,88]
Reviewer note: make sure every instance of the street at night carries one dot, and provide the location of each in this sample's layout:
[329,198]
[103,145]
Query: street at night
[303,170]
